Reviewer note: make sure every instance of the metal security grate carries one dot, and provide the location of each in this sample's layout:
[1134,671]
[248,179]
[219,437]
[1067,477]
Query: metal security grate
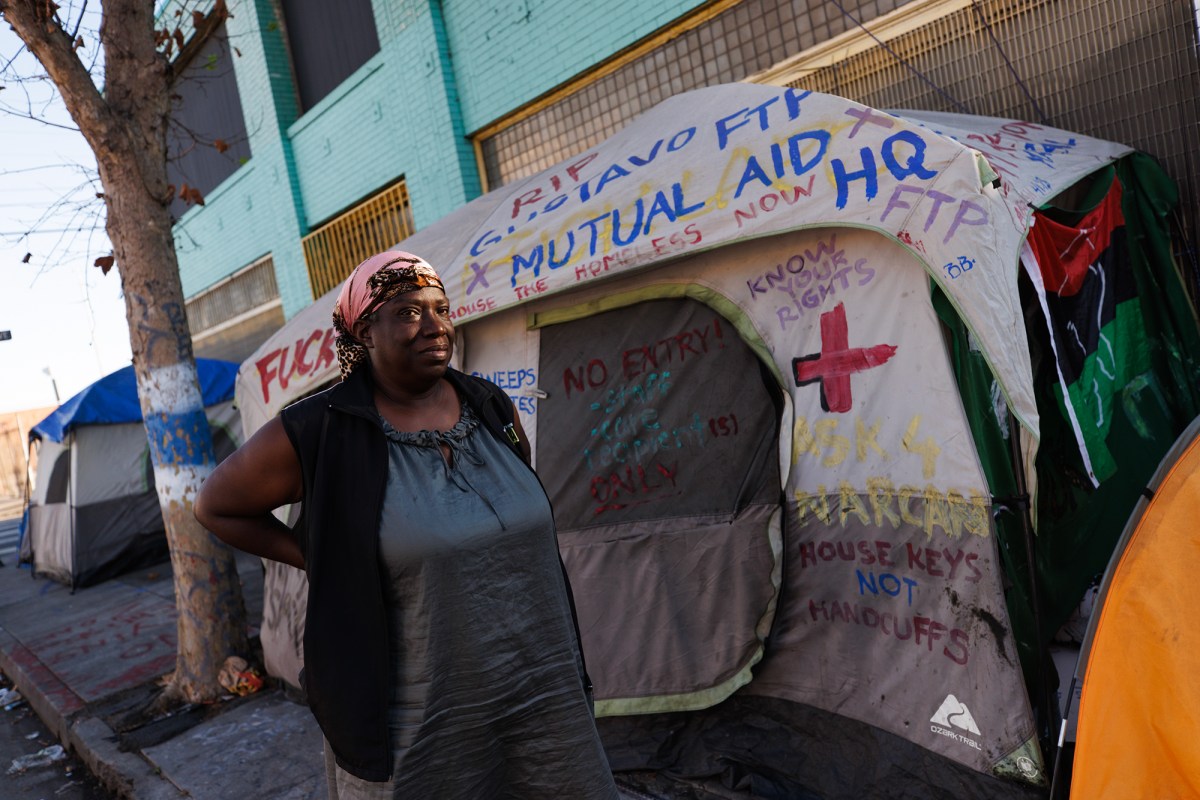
[1123,70]
[740,40]
[333,250]
[244,291]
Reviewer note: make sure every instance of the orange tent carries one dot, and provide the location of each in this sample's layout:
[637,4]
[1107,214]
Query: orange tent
[1139,713]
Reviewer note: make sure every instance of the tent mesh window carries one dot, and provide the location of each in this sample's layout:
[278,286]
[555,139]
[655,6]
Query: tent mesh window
[60,476]
[1124,70]
[630,443]
[378,223]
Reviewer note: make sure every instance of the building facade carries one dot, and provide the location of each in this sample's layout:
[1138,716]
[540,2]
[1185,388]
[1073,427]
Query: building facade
[17,463]
[318,133]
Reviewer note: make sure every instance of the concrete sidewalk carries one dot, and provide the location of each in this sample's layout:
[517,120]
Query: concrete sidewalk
[86,662]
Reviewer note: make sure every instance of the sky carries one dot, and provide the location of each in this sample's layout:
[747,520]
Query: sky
[67,318]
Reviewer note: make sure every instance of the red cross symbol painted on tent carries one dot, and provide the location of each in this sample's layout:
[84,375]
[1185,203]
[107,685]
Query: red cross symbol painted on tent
[837,361]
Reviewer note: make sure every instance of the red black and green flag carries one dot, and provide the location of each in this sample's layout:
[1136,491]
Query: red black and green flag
[1122,345]
[1094,319]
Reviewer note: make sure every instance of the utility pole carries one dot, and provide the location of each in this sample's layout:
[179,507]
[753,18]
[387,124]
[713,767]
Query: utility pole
[53,383]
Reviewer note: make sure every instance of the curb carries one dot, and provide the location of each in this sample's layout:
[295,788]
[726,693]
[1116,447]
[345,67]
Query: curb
[25,683]
[129,775]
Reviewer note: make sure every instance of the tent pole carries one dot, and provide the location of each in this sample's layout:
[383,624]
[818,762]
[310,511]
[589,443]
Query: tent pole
[1045,703]
[1061,744]
[71,508]
[26,513]
[28,455]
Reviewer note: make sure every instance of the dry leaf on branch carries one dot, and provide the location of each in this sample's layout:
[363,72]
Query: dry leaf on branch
[190,194]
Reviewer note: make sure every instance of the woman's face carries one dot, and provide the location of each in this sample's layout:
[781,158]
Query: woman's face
[410,336]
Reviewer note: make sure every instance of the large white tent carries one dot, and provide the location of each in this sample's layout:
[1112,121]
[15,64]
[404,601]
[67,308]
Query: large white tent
[717,327]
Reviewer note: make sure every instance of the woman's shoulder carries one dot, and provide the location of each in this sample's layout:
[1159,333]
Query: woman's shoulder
[303,419]
[305,407]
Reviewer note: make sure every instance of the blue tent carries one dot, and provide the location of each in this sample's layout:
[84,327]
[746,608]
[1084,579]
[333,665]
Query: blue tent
[114,399]
[94,511]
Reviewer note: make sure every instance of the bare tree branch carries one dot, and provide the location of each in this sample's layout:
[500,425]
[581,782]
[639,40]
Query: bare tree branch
[79,22]
[32,116]
[43,34]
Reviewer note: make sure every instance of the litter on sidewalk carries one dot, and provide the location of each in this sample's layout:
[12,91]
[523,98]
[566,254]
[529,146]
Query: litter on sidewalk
[10,699]
[42,758]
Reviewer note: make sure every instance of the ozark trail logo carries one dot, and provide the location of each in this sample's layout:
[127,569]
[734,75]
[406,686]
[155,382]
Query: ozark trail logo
[953,714]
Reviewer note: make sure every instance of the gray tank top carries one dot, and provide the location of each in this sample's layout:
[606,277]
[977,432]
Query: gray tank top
[487,699]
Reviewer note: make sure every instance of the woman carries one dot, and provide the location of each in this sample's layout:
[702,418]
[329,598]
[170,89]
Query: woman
[441,659]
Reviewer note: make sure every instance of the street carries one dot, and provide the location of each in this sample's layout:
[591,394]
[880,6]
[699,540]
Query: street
[11,509]
[31,768]
[9,530]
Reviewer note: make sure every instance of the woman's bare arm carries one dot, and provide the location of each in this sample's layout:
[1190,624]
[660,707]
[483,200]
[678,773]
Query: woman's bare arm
[236,501]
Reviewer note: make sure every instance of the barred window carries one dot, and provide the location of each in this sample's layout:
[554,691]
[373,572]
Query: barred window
[378,223]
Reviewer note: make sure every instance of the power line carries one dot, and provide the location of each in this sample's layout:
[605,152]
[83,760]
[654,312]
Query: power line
[960,106]
[1011,67]
[32,231]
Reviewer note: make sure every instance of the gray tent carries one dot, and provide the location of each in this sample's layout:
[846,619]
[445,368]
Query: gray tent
[93,510]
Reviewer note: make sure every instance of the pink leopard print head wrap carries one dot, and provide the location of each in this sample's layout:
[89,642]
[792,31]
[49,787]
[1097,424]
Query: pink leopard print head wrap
[372,283]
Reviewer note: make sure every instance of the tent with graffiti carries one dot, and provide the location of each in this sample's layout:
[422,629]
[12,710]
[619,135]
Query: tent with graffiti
[791,388]
[93,512]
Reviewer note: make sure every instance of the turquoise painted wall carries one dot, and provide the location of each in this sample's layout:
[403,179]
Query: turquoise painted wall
[445,67]
[255,211]
[507,53]
[397,115]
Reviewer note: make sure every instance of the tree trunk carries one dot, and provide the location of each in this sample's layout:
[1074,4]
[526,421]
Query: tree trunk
[126,129]
[207,589]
